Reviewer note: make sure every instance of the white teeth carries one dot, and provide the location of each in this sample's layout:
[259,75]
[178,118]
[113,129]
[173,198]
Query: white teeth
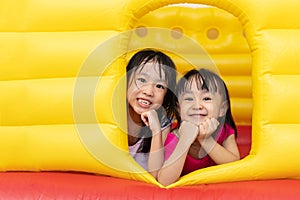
[144,102]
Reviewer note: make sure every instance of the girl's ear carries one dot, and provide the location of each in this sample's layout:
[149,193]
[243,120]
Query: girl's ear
[223,108]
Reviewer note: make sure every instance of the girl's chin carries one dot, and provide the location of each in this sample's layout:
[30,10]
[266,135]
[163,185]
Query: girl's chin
[141,110]
[195,121]
[135,111]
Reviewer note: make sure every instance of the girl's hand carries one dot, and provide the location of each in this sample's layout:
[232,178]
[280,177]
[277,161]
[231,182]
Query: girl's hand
[188,131]
[207,128]
[151,120]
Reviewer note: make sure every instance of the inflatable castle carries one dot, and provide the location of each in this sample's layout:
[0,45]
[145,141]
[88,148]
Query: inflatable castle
[62,106]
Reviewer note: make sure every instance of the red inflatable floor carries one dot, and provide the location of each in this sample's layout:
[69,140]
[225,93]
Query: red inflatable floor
[60,185]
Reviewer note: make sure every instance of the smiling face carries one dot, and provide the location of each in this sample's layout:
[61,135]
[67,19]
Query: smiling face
[197,104]
[146,89]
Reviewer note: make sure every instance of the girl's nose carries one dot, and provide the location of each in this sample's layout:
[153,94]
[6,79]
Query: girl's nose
[148,89]
[198,105]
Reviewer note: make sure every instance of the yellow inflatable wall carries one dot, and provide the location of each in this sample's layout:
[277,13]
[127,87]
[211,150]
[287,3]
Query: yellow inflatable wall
[62,78]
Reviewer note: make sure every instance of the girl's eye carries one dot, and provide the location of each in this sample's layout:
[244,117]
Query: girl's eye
[142,80]
[207,99]
[159,86]
[188,99]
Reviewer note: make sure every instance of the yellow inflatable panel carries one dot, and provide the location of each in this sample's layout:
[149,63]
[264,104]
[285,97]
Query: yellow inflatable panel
[27,53]
[54,16]
[62,80]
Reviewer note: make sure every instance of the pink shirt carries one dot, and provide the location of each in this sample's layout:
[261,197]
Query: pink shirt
[192,164]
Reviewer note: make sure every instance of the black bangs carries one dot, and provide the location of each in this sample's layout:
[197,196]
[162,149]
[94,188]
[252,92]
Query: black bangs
[210,82]
[213,83]
[185,82]
[165,66]
[205,80]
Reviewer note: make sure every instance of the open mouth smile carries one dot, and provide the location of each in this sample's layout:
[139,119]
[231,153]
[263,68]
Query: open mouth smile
[144,102]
